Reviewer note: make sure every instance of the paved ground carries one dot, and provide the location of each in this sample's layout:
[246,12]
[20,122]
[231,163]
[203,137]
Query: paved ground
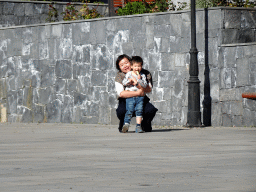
[74,157]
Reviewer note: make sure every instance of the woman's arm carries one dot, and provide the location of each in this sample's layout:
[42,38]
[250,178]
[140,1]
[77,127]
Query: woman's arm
[127,94]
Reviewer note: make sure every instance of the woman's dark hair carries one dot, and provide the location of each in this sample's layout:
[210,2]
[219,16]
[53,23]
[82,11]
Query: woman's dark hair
[137,59]
[119,58]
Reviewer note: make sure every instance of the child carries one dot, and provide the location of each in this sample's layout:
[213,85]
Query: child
[131,81]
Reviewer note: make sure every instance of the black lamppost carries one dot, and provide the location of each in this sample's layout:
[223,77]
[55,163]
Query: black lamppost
[111,8]
[207,101]
[194,114]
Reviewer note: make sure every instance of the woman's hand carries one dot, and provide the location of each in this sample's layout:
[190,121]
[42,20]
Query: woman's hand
[141,93]
[145,90]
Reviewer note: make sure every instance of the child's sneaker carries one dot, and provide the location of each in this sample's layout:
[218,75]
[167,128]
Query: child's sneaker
[125,128]
[139,129]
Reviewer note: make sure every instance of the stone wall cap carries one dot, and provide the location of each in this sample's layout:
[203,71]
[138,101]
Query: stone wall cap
[238,44]
[232,8]
[97,19]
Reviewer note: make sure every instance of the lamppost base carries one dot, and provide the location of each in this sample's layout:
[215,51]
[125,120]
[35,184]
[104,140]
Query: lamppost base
[194,119]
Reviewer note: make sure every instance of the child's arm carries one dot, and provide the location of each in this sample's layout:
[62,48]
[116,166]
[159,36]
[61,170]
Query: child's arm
[143,81]
[148,89]
[127,80]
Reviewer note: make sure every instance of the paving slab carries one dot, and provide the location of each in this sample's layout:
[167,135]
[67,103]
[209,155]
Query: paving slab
[77,157]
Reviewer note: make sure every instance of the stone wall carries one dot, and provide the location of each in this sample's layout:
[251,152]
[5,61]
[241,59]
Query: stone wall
[64,72]
[15,13]
[232,67]
[236,74]
[239,26]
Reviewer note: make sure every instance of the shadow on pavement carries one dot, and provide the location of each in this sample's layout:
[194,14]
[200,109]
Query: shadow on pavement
[163,130]
[167,130]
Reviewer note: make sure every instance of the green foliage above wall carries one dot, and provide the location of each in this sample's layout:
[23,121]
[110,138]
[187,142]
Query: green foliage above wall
[71,13]
[140,7]
[226,3]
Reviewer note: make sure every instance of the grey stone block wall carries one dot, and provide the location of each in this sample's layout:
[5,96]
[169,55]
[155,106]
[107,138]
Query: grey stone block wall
[237,75]
[239,26]
[15,13]
[64,72]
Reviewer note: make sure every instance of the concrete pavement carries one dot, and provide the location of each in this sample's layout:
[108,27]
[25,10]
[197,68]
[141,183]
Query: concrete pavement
[76,157]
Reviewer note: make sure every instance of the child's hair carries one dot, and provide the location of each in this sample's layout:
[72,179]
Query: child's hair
[137,59]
